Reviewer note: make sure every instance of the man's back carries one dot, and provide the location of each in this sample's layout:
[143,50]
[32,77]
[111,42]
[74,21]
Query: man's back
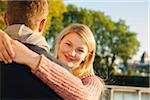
[18,82]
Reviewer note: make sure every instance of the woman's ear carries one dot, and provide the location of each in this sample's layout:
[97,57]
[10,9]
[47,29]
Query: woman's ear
[6,20]
[41,26]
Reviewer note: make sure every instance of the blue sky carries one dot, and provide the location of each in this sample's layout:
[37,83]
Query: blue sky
[136,14]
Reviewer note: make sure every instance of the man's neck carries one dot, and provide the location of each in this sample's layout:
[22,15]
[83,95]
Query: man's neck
[26,35]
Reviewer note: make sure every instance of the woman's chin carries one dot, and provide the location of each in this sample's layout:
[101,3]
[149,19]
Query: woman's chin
[70,65]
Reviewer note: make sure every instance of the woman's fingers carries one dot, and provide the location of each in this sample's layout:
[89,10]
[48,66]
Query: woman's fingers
[9,48]
[6,50]
[2,52]
[3,59]
[7,56]
[4,55]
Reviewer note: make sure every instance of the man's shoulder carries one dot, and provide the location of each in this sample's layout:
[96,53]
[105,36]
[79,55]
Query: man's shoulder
[40,50]
[17,81]
[36,49]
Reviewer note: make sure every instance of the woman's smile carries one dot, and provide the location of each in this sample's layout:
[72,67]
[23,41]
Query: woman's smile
[69,59]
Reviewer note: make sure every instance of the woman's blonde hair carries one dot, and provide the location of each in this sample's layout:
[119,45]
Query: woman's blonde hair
[86,35]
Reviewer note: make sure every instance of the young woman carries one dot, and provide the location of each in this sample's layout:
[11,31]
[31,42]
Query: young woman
[75,46]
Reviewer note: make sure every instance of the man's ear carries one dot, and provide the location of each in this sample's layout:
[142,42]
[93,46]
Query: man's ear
[6,20]
[41,25]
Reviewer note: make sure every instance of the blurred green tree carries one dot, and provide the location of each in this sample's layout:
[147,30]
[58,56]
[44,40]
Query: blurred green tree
[56,10]
[2,12]
[114,40]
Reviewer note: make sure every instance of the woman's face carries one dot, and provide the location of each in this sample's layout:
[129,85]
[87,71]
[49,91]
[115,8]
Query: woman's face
[72,50]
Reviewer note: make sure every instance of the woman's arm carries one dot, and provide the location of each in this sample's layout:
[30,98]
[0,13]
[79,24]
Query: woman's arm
[59,79]
[24,55]
[66,84]
[6,51]
[63,82]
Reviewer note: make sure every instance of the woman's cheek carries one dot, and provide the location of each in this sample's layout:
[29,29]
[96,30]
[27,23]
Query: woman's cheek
[80,58]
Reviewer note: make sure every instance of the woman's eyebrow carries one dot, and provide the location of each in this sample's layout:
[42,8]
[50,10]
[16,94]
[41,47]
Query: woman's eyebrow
[69,41]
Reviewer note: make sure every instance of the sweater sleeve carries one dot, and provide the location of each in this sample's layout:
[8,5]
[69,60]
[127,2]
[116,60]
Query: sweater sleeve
[65,84]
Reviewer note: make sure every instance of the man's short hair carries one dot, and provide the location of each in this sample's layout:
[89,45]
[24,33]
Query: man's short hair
[28,12]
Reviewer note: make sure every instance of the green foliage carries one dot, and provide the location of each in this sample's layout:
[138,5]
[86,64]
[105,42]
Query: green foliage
[2,12]
[114,40]
[56,10]
[54,21]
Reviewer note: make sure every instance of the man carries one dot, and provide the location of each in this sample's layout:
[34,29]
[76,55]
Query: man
[25,20]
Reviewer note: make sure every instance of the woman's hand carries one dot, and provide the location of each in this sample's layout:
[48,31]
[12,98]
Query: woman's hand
[23,55]
[6,50]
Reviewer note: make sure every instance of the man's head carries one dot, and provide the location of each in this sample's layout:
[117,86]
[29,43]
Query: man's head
[32,13]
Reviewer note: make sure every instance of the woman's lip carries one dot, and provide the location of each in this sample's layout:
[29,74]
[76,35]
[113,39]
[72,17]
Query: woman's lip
[68,59]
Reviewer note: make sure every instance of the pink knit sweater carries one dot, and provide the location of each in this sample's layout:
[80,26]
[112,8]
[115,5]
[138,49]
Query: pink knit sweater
[65,84]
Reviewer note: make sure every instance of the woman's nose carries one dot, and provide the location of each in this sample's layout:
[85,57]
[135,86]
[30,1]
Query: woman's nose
[72,53]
